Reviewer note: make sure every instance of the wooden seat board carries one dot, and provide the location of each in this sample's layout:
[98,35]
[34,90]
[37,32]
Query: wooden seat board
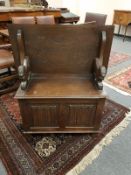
[60,87]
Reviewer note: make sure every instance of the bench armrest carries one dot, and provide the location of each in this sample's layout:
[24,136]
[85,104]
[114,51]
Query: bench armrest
[99,69]
[24,67]
[24,73]
[99,73]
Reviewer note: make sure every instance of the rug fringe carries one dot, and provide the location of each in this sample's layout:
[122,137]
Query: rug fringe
[116,89]
[87,160]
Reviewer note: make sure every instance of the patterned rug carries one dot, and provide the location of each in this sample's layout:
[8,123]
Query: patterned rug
[49,154]
[119,77]
[121,80]
[117,58]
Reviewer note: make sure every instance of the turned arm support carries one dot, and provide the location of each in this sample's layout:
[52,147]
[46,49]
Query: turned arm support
[99,70]
[99,73]
[24,73]
[24,67]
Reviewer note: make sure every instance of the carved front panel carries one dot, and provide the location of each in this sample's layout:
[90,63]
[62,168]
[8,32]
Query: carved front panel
[44,115]
[81,115]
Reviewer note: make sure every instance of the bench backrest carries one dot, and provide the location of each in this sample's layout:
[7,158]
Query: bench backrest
[61,48]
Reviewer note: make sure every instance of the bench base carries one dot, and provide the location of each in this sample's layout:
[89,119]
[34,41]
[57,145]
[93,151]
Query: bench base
[61,115]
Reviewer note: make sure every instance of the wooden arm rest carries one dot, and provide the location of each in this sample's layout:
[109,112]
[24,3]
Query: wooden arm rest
[24,73]
[99,72]
[99,69]
[24,67]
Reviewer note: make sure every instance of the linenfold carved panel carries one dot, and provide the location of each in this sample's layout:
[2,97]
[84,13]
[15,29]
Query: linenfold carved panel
[81,115]
[44,115]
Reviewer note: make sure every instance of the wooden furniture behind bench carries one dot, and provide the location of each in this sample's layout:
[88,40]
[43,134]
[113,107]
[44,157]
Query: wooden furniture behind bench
[100,19]
[6,15]
[61,68]
[61,15]
[23,20]
[8,74]
[122,17]
[45,19]
[34,20]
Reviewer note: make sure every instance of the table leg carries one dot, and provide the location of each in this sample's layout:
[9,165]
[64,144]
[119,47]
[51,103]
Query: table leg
[119,29]
[125,33]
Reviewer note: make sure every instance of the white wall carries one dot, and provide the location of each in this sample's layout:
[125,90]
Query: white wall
[55,3]
[72,5]
[123,4]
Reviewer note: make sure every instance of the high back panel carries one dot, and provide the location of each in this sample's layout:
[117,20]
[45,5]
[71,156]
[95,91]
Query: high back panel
[60,48]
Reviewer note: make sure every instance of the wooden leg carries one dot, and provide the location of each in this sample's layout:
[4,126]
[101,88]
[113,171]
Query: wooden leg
[119,29]
[125,33]
[9,70]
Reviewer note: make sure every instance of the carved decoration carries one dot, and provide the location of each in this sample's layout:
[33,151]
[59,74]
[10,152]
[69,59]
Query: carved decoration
[99,69]
[24,68]
[24,73]
[44,3]
[40,2]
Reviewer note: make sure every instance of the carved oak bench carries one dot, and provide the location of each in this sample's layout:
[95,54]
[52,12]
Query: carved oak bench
[61,68]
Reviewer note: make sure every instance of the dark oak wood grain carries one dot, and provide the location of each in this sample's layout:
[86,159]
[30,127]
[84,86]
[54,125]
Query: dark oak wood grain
[6,15]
